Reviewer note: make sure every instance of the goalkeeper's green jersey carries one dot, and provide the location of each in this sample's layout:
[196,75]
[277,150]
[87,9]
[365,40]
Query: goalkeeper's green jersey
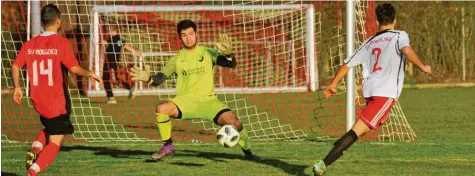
[194,69]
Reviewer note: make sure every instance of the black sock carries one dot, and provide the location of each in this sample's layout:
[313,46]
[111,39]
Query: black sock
[340,146]
[247,152]
[168,142]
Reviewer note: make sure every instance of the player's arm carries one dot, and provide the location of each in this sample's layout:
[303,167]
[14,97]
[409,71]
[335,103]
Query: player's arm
[128,47]
[104,43]
[155,80]
[412,57]
[330,90]
[16,76]
[78,70]
[226,61]
[224,56]
[16,66]
[18,94]
[354,60]
[403,44]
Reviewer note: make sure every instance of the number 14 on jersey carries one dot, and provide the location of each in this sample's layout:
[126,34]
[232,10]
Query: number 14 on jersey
[42,71]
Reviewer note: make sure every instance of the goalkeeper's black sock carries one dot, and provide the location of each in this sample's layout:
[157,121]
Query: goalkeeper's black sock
[247,152]
[340,146]
[249,156]
[168,142]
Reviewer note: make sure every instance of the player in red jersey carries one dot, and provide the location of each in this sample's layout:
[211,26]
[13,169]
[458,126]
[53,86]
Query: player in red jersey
[47,58]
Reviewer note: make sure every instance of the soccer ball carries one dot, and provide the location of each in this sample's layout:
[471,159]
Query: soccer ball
[228,136]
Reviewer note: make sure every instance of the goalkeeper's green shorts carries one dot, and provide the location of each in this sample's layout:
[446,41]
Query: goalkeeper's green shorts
[208,108]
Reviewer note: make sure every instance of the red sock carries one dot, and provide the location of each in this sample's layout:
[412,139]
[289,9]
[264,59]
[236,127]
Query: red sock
[40,142]
[32,172]
[46,158]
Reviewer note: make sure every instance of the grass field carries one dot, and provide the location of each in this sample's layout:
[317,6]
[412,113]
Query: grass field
[442,118]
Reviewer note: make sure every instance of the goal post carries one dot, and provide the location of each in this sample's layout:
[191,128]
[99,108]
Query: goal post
[350,77]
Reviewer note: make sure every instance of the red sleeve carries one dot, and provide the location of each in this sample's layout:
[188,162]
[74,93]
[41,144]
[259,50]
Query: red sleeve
[20,59]
[68,59]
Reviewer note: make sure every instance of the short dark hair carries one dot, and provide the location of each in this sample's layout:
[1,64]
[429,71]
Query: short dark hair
[49,14]
[185,24]
[385,14]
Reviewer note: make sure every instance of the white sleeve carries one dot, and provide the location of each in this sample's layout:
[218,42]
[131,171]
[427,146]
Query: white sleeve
[403,40]
[357,57]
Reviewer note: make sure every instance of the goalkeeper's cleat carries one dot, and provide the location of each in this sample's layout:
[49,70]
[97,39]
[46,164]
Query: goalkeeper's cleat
[30,158]
[132,93]
[166,150]
[111,101]
[319,168]
[252,157]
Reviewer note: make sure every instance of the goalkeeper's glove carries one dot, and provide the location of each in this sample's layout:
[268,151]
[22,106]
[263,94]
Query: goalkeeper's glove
[140,75]
[224,45]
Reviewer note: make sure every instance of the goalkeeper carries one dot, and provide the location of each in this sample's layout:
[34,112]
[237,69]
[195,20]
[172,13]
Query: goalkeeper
[195,96]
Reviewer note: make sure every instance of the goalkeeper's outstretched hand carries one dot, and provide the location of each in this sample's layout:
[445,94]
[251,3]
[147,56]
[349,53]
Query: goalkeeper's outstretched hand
[140,75]
[224,45]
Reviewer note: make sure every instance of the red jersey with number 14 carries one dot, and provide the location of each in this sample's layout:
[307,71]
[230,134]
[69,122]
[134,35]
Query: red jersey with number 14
[43,56]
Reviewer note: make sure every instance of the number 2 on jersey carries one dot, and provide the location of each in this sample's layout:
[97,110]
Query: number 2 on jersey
[42,71]
[376,67]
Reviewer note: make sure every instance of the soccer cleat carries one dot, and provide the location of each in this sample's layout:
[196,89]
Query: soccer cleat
[111,102]
[166,150]
[319,168]
[252,157]
[30,158]
[132,93]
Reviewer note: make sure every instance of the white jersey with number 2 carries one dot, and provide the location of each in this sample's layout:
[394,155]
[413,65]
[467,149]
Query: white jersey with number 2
[383,63]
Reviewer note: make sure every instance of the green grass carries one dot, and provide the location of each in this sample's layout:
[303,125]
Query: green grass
[442,118]
[93,119]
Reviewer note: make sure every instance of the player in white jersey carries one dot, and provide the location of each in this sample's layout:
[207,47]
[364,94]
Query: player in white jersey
[383,58]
